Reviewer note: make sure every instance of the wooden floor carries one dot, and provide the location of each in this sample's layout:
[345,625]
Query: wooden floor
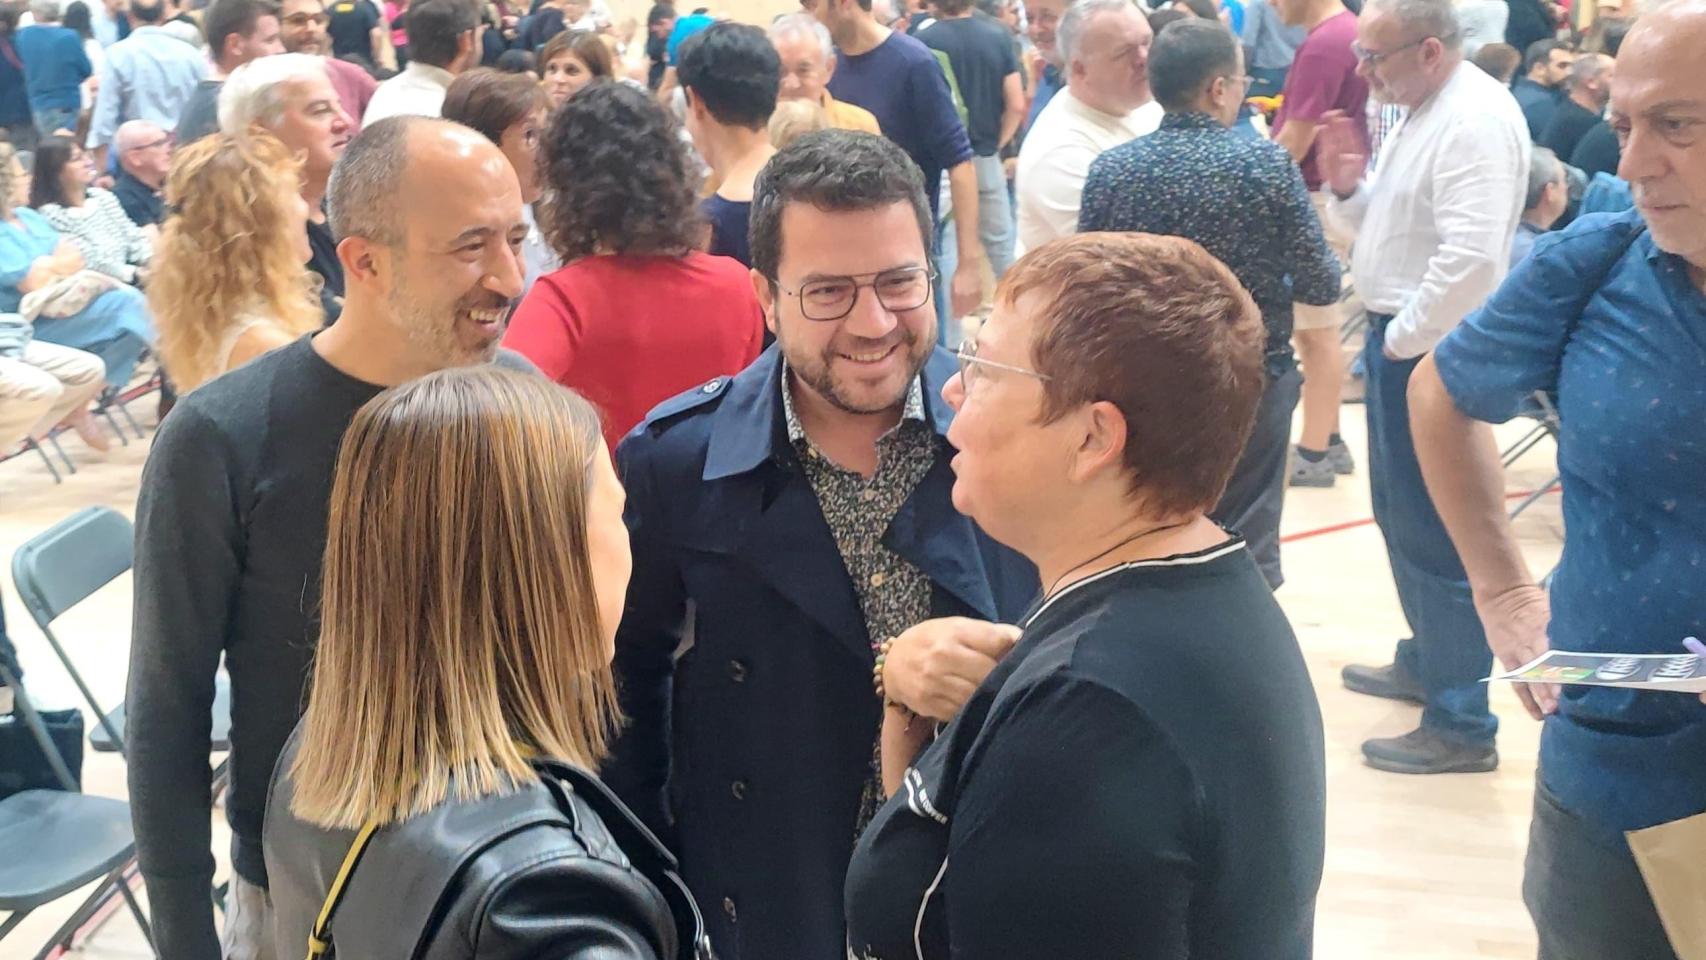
[1417,868]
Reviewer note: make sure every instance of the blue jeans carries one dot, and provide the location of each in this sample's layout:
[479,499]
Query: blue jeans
[1447,650]
[1255,496]
[114,326]
[994,227]
[56,118]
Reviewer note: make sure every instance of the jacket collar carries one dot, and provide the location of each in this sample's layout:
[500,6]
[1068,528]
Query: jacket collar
[748,427]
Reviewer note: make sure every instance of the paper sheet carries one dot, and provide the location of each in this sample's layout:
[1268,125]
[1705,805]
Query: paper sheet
[1678,673]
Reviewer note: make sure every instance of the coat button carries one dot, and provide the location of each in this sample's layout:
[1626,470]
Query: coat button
[711,387]
[738,789]
[737,671]
[729,908]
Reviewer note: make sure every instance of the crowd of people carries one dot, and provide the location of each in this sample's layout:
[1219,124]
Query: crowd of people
[814,490]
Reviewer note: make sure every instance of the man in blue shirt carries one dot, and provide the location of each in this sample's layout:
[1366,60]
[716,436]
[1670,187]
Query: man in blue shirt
[1043,20]
[1610,317]
[150,75]
[899,80]
[1244,200]
[55,67]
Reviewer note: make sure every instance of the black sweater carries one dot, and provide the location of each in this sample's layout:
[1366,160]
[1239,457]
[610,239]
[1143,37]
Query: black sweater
[230,528]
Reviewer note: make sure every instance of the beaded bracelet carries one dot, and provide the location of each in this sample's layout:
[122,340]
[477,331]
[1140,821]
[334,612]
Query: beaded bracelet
[877,671]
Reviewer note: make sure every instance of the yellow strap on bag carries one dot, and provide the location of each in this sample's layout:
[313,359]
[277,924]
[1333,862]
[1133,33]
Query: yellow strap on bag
[319,939]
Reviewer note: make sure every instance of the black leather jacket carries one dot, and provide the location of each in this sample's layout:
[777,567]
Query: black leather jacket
[510,876]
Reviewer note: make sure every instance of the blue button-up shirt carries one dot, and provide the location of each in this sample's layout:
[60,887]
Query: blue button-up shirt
[55,66]
[149,75]
[1049,84]
[1243,199]
[1615,328]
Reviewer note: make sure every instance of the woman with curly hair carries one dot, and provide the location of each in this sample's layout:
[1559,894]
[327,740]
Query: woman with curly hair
[638,313]
[230,281]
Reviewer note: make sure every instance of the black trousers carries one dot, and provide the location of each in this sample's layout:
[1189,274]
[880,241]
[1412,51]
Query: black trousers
[1255,495]
[1587,896]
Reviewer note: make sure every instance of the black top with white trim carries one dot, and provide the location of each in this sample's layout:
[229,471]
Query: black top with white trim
[1142,777]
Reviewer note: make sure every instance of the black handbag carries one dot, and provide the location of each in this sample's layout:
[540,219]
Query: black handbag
[23,764]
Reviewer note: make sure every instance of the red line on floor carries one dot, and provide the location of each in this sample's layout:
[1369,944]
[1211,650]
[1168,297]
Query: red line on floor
[1365,521]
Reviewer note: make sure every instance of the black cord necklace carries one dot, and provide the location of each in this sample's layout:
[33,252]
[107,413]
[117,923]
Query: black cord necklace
[1123,543]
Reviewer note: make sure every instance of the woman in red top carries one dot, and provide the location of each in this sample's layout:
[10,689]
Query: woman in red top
[639,314]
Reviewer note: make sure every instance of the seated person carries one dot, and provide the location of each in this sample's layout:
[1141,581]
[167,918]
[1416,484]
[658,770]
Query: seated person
[113,324]
[88,216]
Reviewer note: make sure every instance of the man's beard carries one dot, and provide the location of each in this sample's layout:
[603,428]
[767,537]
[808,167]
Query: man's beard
[436,330]
[816,372]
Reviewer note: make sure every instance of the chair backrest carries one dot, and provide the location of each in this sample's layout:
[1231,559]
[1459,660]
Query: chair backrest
[61,566]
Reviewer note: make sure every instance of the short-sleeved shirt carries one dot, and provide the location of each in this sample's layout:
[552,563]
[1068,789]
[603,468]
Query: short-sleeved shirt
[1614,327]
[21,245]
[1323,77]
[903,86]
[350,25]
[729,220]
[1142,776]
[981,52]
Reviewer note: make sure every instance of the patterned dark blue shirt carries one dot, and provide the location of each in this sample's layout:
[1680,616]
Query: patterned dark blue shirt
[1242,199]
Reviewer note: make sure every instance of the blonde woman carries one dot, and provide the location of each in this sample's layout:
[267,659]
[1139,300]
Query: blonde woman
[475,571]
[230,281]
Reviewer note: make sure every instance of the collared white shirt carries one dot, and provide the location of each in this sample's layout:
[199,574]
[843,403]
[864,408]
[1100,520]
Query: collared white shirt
[1434,220]
[1055,160]
[417,91]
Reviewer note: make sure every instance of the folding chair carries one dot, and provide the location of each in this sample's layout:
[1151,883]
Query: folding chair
[57,841]
[60,568]
[1545,413]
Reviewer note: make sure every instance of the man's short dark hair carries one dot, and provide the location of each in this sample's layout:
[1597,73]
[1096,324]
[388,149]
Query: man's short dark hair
[226,18]
[734,69]
[144,12]
[1160,19]
[433,27]
[1539,52]
[833,170]
[1186,57]
[953,8]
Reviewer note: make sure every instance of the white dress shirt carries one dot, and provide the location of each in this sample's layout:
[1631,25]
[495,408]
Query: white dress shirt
[1434,220]
[1055,160]
[417,91]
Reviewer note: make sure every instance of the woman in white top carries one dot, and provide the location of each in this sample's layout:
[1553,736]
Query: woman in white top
[231,280]
[91,218]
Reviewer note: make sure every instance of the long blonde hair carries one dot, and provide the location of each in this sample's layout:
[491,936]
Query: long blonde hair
[459,626]
[228,251]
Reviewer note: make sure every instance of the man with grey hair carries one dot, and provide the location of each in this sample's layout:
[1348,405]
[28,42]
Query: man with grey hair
[231,523]
[55,67]
[1103,47]
[1586,93]
[1547,198]
[290,95]
[1606,316]
[144,157]
[808,61]
[1433,227]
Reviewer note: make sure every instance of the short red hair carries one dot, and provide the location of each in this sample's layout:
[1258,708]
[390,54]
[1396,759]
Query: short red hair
[1162,330]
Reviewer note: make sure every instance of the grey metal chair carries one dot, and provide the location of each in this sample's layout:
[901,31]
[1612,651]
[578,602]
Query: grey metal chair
[1544,411]
[58,841]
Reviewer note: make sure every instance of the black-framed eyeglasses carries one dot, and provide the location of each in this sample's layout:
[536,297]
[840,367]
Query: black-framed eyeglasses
[163,141]
[971,364]
[831,298]
[1365,55]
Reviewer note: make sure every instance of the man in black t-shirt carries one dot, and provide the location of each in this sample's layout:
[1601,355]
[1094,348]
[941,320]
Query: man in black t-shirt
[1587,92]
[231,521]
[980,53]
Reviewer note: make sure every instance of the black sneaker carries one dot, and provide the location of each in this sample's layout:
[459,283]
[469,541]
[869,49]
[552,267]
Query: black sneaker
[1422,751]
[1387,681]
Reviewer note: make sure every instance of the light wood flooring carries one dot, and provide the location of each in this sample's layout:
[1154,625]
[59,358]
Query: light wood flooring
[1417,868]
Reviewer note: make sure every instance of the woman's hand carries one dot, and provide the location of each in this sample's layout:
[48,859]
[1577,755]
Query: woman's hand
[933,668]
